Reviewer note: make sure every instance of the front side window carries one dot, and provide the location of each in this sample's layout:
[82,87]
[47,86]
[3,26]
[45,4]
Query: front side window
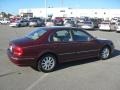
[36,34]
[61,36]
[80,36]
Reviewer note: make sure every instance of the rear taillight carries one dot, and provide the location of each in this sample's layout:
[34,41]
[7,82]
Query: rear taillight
[18,51]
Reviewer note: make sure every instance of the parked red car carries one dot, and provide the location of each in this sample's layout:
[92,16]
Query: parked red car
[48,46]
[58,21]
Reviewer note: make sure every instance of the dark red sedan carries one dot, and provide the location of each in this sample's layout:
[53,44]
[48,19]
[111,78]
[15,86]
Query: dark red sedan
[48,46]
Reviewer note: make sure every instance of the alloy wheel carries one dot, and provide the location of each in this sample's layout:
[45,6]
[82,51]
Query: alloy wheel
[105,53]
[47,63]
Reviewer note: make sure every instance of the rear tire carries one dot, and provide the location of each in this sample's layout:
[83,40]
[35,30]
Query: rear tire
[46,63]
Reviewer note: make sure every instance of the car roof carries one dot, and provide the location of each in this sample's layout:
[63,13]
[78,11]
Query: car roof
[56,27]
[61,27]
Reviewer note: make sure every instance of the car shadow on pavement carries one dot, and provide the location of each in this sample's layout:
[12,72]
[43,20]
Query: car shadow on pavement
[84,61]
[75,63]
[6,74]
[115,53]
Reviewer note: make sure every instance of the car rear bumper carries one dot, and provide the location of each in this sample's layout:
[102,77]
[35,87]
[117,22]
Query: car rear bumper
[32,24]
[104,28]
[13,25]
[20,61]
[87,27]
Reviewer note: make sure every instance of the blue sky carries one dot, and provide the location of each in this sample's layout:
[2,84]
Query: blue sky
[12,6]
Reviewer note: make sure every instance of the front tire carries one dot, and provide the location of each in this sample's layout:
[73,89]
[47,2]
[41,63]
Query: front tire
[47,63]
[104,53]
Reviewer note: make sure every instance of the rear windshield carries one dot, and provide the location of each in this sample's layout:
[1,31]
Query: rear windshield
[113,23]
[87,22]
[17,21]
[33,20]
[36,34]
[105,23]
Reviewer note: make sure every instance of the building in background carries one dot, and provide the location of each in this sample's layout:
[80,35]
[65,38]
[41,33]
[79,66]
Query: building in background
[69,12]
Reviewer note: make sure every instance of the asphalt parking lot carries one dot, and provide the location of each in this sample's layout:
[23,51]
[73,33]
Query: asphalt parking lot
[88,74]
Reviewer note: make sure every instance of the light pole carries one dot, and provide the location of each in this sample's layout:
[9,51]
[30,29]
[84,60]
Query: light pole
[45,11]
[61,3]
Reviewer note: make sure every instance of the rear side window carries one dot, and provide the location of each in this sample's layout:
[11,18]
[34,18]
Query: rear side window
[36,34]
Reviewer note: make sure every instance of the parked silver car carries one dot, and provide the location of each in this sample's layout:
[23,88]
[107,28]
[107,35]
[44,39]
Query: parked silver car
[88,25]
[69,23]
[36,22]
[19,23]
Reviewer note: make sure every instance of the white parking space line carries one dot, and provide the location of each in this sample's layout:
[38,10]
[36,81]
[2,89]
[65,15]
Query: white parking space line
[37,82]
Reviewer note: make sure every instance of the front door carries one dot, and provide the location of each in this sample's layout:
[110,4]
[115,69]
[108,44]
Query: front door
[84,45]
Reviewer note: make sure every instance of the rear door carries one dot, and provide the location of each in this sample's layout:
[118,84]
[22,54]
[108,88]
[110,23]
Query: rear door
[61,44]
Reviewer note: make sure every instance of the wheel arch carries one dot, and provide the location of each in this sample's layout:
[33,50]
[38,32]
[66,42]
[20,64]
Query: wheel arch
[107,45]
[48,53]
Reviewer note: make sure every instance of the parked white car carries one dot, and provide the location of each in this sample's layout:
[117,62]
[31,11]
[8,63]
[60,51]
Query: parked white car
[104,26]
[4,21]
[118,27]
[19,23]
[109,26]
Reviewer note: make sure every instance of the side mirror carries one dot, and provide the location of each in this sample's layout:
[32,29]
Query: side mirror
[90,38]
